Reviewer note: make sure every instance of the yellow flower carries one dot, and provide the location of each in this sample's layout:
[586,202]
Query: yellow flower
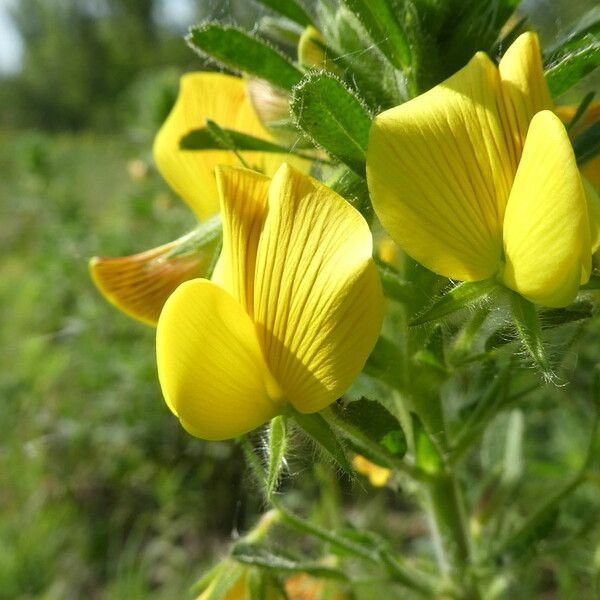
[304,587]
[378,476]
[240,591]
[297,587]
[140,284]
[237,592]
[476,178]
[294,308]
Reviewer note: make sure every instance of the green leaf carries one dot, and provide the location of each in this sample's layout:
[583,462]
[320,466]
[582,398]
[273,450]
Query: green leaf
[204,139]
[208,138]
[225,580]
[208,234]
[537,525]
[550,318]
[512,469]
[527,322]
[317,429]
[354,189]
[258,556]
[426,454]
[469,26]
[257,588]
[374,451]
[207,578]
[289,9]
[586,146]
[379,18]
[245,53]
[432,354]
[479,414]
[462,296]
[277,449]
[581,109]
[379,424]
[383,363]
[332,117]
[366,70]
[254,462]
[571,62]
[394,287]
[593,283]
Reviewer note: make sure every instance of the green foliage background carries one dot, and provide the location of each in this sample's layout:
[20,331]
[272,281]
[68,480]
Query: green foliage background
[102,495]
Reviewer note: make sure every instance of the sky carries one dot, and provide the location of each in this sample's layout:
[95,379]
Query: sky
[10,43]
[178,12]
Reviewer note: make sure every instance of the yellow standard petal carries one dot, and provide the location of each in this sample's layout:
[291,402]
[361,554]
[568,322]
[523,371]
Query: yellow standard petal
[546,230]
[317,297]
[244,196]
[221,98]
[525,90]
[140,284]
[210,365]
[439,172]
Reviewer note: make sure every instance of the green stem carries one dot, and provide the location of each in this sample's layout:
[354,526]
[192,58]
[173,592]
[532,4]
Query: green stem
[445,505]
[448,515]
[397,570]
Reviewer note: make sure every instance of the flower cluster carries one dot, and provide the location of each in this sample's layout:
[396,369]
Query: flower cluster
[475,179]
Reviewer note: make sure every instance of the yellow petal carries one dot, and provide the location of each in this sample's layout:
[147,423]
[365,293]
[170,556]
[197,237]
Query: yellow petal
[223,99]
[311,48]
[140,284]
[546,230]
[317,297]
[378,476]
[210,366]
[439,172]
[244,195]
[525,90]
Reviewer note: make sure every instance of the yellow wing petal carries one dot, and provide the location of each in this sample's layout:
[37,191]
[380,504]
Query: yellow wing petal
[140,284]
[546,230]
[317,297]
[525,90]
[244,195]
[439,173]
[223,99]
[210,366]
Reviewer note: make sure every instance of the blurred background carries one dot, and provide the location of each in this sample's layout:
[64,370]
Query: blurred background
[102,494]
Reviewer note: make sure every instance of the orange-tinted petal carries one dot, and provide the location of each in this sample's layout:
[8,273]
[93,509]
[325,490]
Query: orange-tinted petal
[140,284]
